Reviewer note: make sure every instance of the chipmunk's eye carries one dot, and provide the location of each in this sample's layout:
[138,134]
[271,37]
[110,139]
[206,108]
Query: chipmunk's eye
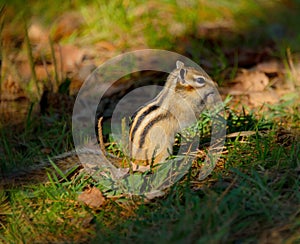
[200,80]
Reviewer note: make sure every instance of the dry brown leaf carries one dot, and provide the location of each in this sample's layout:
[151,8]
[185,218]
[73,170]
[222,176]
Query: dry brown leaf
[11,90]
[272,66]
[259,98]
[84,70]
[248,81]
[68,57]
[92,197]
[46,150]
[37,34]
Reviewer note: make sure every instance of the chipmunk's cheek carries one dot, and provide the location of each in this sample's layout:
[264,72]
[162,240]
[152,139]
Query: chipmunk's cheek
[210,100]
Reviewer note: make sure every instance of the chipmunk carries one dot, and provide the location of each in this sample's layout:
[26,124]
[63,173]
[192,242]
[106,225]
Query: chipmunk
[153,127]
[185,95]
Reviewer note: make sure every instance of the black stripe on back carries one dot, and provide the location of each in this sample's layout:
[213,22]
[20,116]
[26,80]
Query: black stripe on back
[140,119]
[150,125]
[144,114]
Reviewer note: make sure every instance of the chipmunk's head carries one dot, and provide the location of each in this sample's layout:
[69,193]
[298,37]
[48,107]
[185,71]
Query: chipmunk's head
[190,78]
[192,84]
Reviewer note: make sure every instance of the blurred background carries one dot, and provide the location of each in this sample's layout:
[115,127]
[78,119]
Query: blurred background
[50,48]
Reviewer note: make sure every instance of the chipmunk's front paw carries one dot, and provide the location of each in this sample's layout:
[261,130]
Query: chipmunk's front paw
[139,168]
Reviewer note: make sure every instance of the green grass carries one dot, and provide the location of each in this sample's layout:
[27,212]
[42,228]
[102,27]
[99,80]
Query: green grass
[251,196]
[36,139]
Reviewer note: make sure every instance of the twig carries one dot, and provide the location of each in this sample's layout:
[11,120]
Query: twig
[30,58]
[56,78]
[291,66]
[100,136]
[2,10]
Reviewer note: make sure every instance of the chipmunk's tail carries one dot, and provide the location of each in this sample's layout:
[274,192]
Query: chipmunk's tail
[64,165]
[38,172]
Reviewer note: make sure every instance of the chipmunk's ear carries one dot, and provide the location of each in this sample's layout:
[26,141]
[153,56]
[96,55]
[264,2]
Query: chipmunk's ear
[182,73]
[179,64]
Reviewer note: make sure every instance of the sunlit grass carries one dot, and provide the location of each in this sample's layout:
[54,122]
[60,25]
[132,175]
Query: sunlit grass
[159,24]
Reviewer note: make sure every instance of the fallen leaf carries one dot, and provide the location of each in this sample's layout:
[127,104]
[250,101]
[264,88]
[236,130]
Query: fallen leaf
[84,70]
[259,98]
[68,57]
[11,89]
[92,197]
[46,150]
[248,81]
[37,34]
[269,67]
